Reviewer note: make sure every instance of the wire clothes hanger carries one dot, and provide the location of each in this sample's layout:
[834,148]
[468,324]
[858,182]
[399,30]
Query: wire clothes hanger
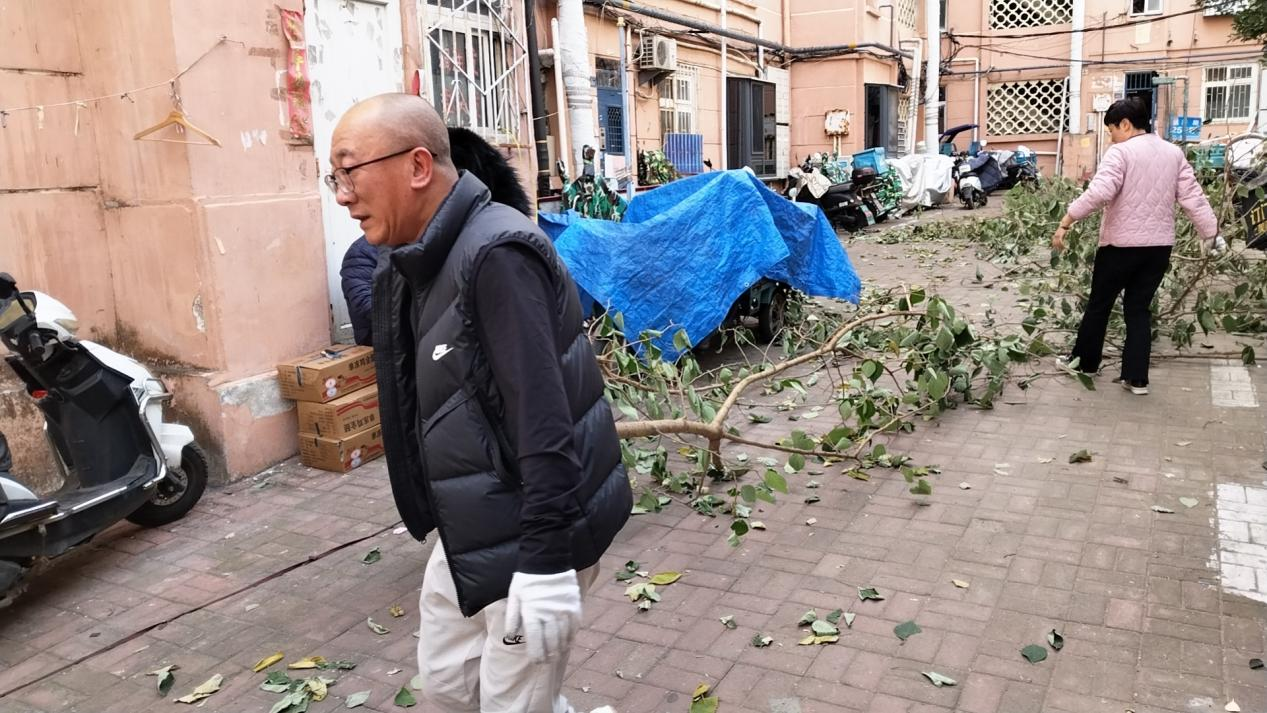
[183,126]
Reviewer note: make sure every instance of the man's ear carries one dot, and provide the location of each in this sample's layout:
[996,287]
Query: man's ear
[422,165]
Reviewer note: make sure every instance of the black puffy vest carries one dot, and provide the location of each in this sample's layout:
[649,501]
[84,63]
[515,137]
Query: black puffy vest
[450,463]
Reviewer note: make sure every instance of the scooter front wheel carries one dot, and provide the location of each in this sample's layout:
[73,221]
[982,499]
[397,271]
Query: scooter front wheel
[14,578]
[177,494]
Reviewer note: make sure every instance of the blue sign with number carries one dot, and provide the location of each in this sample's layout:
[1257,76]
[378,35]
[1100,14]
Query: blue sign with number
[1185,128]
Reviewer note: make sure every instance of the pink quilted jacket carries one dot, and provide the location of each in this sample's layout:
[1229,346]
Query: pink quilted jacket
[1139,181]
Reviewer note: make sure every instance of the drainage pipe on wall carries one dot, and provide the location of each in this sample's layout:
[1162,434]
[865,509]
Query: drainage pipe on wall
[976,93]
[912,112]
[572,57]
[1076,47]
[540,128]
[722,111]
[932,12]
[560,100]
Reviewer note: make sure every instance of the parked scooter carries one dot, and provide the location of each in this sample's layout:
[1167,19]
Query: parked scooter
[839,201]
[968,184]
[103,419]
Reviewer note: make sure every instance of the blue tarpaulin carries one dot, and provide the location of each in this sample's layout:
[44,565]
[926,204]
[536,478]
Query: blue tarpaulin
[688,250]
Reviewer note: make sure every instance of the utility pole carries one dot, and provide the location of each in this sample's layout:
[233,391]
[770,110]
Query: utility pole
[932,12]
[573,58]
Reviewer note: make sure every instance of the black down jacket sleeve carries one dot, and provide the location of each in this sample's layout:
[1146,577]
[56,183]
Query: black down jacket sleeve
[357,275]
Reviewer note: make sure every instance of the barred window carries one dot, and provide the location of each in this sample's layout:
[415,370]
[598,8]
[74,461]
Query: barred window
[1022,108]
[1229,92]
[1021,14]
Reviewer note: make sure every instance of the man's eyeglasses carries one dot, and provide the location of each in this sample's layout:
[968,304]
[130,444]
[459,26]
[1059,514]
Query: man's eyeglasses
[340,179]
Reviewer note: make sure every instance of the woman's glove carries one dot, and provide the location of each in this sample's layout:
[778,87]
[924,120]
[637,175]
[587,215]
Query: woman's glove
[546,610]
[1217,246]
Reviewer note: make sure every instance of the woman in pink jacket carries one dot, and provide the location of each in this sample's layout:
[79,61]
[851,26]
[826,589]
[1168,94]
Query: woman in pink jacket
[1138,183]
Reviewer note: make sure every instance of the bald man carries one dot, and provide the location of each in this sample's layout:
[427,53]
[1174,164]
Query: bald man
[496,429]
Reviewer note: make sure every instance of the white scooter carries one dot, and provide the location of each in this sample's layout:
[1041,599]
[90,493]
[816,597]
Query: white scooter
[103,419]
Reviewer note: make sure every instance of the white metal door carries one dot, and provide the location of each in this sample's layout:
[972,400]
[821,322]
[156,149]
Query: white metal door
[354,52]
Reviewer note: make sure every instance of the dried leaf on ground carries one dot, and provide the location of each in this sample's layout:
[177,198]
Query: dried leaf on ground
[757,525]
[372,556]
[318,686]
[965,486]
[834,617]
[396,612]
[761,641]
[165,678]
[1163,510]
[808,618]
[939,680]
[812,521]
[357,699]
[376,627]
[865,593]
[405,699]
[824,628]
[393,672]
[906,630]
[1232,707]
[664,579]
[813,640]
[728,621]
[1082,456]
[310,662]
[1034,653]
[1189,502]
[1055,640]
[960,583]
[208,687]
[337,665]
[811,499]
[1255,664]
[1183,444]
[268,661]
[849,616]
[1120,480]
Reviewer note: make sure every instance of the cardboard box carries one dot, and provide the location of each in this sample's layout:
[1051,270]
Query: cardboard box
[341,456]
[342,417]
[326,375]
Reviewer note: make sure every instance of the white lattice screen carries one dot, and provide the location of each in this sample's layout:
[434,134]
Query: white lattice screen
[1017,108]
[908,12]
[1019,14]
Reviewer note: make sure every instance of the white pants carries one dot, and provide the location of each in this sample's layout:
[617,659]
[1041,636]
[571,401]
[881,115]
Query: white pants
[465,667]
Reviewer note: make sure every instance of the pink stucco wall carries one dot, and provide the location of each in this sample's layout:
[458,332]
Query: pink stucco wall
[206,261]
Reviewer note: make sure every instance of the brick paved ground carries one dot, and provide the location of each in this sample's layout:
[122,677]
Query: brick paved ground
[1159,611]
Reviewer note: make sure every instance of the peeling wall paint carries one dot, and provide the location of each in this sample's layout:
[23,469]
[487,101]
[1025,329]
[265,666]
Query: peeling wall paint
[200,320]
[259,394]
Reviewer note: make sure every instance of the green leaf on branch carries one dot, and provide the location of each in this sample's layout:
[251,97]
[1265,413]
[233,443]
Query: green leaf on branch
[775,481]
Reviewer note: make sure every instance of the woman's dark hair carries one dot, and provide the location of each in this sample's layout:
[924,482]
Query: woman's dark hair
[1132,109]
[472,153]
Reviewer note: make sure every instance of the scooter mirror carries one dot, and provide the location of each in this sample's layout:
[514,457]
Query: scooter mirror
[8,286]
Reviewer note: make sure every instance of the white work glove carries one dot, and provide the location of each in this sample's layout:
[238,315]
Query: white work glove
[545,609]
[1217,246]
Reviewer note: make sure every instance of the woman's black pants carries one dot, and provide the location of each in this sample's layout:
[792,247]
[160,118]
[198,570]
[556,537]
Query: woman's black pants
[1137,272]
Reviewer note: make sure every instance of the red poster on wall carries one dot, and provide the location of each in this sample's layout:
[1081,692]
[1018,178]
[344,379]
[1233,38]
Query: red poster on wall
[298,101]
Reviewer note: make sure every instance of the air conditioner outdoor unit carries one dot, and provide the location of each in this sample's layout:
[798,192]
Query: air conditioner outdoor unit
[659,53]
